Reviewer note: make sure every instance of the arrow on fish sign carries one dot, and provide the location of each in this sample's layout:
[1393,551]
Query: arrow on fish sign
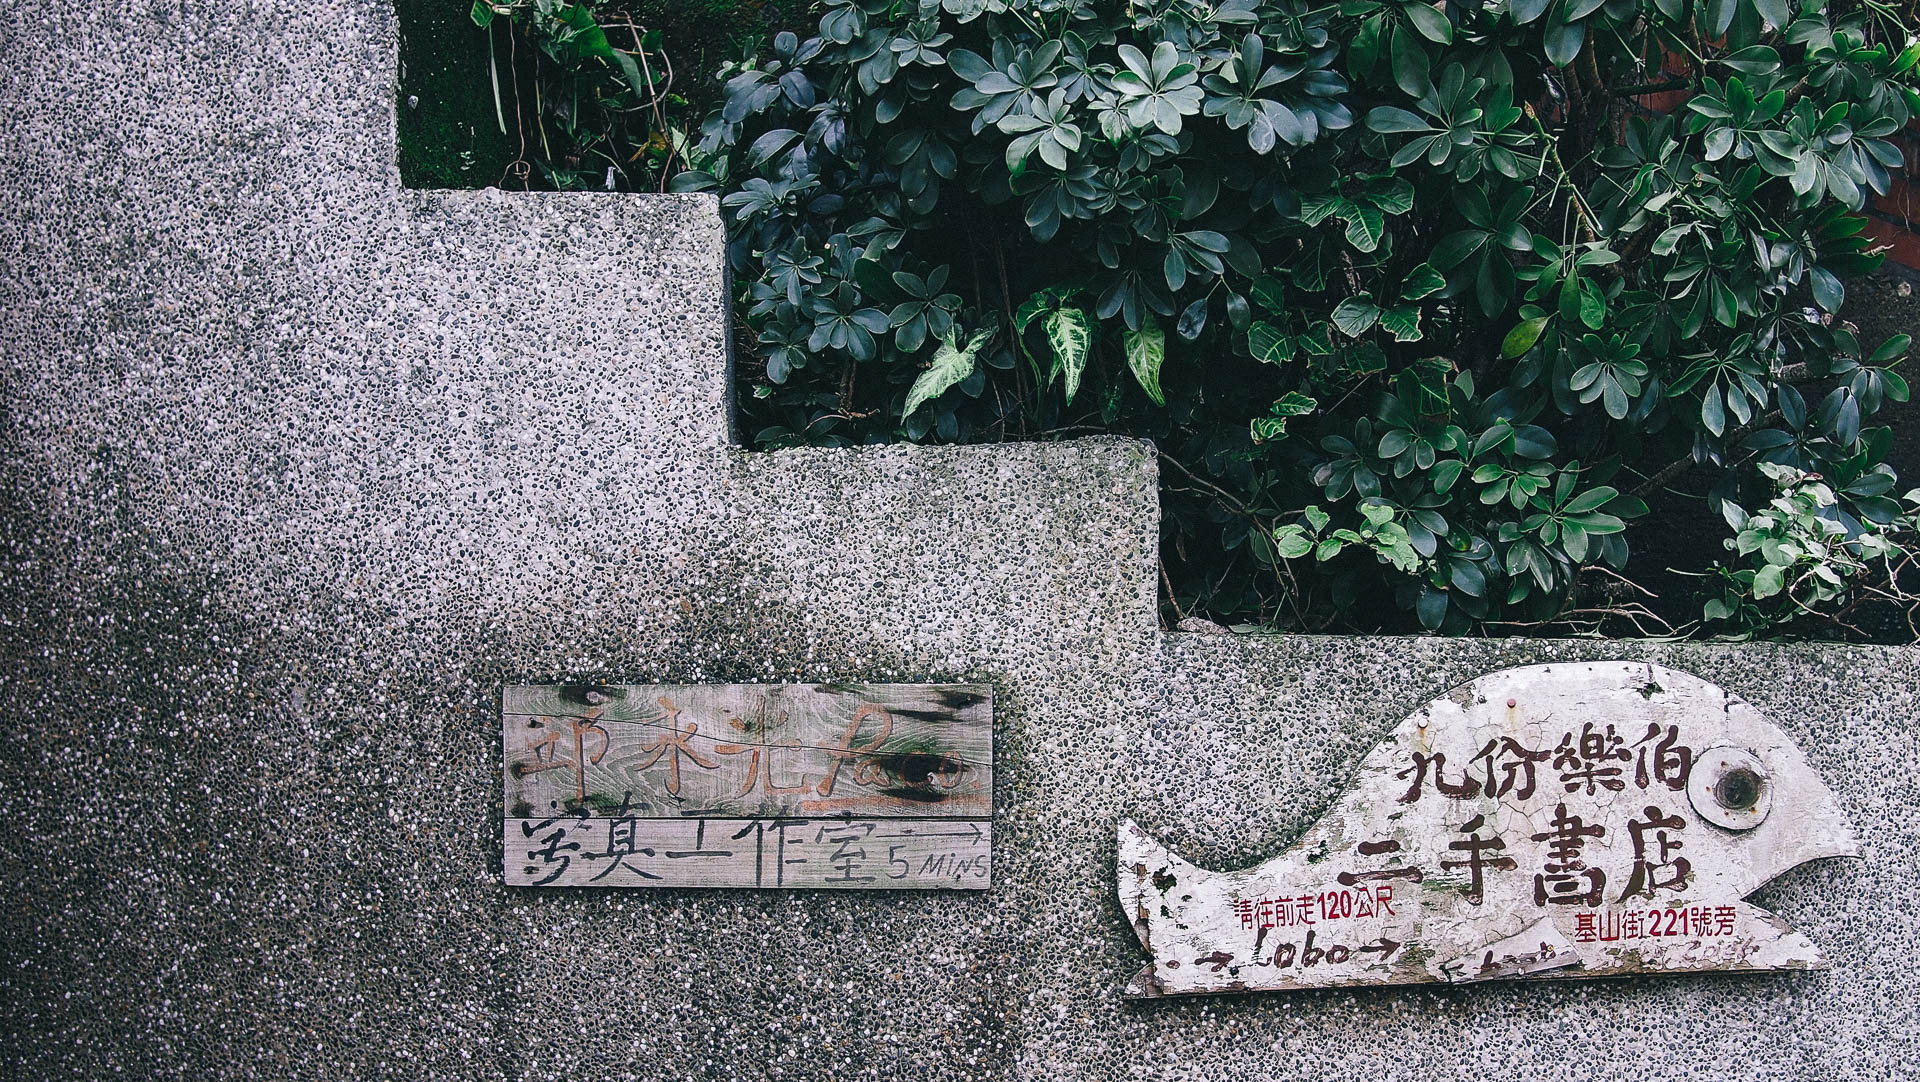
[1567,820]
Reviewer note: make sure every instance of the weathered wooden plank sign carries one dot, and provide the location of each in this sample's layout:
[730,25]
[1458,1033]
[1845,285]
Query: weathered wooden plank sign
[877,786]
[1575,820]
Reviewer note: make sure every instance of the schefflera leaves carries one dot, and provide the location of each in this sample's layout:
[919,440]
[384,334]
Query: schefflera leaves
[1433,270]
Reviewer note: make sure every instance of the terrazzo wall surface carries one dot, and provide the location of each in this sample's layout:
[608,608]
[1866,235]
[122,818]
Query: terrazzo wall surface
[298,467]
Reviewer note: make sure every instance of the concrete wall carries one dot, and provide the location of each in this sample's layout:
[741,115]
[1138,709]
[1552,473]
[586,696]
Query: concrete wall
[297,467]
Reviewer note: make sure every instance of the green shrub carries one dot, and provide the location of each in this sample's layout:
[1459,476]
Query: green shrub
[1798,560]
[1416,300]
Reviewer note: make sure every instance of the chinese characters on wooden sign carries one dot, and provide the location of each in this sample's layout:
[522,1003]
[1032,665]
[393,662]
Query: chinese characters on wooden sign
[1550,821]
[877,786]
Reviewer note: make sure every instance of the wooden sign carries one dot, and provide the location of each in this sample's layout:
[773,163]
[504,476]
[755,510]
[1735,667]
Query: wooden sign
[877,786]
[1577,820]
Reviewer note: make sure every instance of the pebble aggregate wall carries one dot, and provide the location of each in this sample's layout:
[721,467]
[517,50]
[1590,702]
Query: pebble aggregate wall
[297,467]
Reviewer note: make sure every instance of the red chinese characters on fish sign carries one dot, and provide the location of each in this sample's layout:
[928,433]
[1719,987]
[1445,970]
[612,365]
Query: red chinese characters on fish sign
[1609,926]
[875,786]
[1343,903]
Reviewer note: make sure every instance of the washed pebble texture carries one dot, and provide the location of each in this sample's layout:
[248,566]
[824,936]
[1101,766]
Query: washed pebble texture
[297,468]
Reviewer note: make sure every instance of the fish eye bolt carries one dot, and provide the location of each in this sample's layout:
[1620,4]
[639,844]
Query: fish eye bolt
[1738,789]
[1730,788]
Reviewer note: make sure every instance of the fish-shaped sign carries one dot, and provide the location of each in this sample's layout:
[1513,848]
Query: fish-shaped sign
[1565,820]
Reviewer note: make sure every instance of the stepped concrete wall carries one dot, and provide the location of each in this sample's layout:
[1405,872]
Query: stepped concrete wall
[298,467]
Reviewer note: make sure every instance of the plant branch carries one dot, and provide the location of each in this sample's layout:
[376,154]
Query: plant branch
[1667,473]
[1651,88]
[1587,219]
[1226,497]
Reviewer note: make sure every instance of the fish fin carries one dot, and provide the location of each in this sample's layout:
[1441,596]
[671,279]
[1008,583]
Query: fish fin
[1775,944]
[1539,948]
[1145,872]
[1782,946]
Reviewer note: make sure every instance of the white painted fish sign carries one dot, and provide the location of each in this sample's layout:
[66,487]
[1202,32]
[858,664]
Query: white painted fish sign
[1566,820]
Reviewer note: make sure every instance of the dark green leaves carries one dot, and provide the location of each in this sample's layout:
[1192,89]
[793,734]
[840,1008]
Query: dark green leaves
[1428,20]
[1017,82]
[1409,326]
[1526,11]
[1388,118]
[1355,315]
[1460,126]
[1754,59]
[1828,293]
[1274,103]
[1472,259]
[1049,131]
[1364,210]
[1610,374]
[927,312]
[1563,41]
[1422,281]
[1158,90]
[1522,337]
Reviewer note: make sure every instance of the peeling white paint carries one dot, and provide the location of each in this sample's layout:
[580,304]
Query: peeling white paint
[1628,761]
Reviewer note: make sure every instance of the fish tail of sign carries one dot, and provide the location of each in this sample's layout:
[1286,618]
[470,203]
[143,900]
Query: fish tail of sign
[1148,874]
[1141,860]
[1145,984]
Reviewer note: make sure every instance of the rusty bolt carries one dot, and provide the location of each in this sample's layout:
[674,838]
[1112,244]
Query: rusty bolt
[1738,789]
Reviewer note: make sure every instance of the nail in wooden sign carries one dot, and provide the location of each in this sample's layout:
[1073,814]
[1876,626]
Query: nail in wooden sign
[844,786]
[1568,820]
